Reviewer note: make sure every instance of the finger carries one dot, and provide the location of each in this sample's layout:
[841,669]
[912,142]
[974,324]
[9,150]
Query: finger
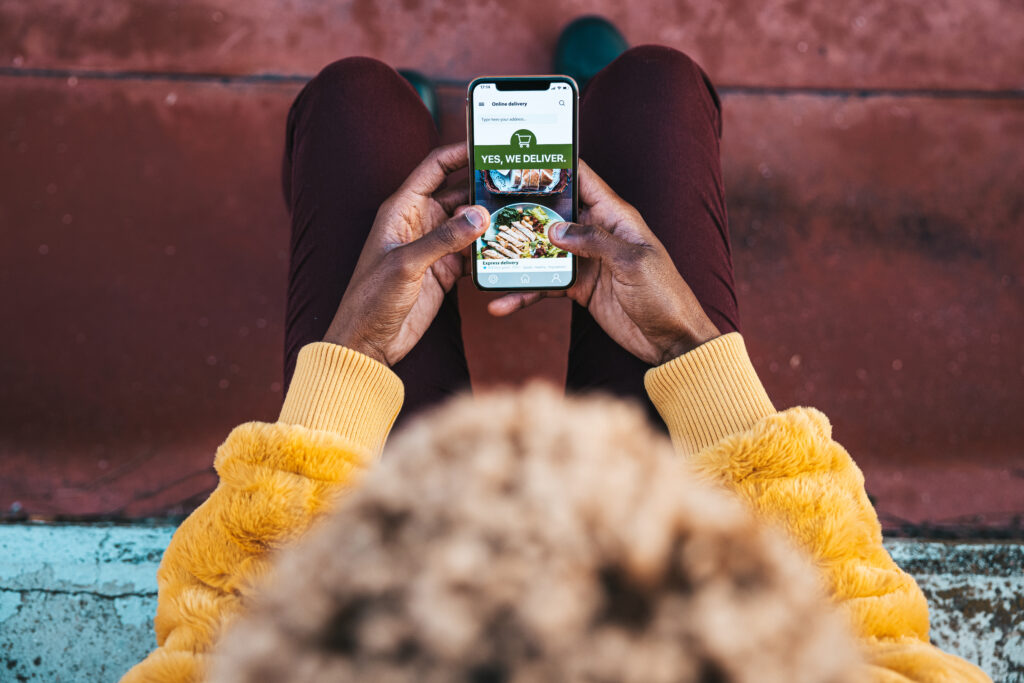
[449,269]
[603,207]
[593,188]
[510,303]
[453,197]
[450,237]
[588,241]
[431,172]
[458,211]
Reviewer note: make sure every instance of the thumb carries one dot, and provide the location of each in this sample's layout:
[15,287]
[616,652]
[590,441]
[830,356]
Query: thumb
[454,235]
[588,241]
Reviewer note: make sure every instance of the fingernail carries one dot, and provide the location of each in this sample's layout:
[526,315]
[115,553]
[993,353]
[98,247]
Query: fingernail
[557,230]
[474,216]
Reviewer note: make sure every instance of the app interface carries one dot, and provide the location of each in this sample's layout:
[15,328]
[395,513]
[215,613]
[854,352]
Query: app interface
[522,174]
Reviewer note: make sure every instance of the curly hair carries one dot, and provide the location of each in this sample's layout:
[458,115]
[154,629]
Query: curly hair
[522,536]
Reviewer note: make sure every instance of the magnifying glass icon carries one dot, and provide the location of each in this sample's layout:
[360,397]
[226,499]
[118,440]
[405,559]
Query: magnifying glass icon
[561,103]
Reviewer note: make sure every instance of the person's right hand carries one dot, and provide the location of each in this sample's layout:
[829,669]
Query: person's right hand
[626,279]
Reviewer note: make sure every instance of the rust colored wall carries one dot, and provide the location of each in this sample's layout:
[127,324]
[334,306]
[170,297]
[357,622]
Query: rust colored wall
[873,170]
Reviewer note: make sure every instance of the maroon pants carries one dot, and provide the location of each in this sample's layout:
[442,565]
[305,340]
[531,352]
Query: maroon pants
[650,125]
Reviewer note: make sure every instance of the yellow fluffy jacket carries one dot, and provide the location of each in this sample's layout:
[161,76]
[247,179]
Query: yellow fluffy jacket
[276,479]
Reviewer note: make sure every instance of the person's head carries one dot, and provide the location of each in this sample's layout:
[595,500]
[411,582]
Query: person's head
[523,536]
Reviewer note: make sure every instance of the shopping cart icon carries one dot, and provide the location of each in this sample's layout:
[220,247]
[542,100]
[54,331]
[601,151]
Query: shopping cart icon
[524,139]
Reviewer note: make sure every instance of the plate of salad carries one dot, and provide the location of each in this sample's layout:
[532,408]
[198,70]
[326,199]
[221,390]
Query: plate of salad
[519,231]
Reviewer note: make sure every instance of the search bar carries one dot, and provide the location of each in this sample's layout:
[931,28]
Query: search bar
[526,119]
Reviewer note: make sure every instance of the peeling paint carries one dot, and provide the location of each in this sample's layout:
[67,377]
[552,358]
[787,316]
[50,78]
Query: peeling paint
[9,603]
[975,598]
[77,601]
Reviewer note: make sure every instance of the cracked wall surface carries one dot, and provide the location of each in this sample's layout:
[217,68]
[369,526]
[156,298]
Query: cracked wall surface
[77,601]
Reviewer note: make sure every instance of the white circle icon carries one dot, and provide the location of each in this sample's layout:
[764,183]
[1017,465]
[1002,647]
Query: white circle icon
[492,279]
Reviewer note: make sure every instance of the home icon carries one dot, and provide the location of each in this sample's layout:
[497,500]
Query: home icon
[525,279]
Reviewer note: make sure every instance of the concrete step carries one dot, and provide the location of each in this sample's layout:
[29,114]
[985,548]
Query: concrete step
[77,601]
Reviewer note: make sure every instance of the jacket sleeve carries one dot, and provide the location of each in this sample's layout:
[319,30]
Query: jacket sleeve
[275,480]
[786,466]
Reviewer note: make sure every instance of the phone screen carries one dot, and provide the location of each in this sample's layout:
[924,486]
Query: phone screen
[523,156]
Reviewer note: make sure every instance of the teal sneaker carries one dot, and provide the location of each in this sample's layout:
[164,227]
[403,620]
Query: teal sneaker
[424,87]
[587,45]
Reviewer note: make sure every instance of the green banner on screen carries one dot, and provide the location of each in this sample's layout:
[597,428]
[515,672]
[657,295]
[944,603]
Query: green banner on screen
[522,151]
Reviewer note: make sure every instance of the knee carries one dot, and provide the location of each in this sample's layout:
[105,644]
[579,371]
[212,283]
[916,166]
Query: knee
[659,61]
[349,88]
[654,68]
[355,76]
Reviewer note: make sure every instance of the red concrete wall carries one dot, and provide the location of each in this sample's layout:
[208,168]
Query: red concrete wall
[873,170]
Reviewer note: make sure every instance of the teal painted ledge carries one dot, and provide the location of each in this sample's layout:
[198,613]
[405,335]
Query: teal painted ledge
[77,601]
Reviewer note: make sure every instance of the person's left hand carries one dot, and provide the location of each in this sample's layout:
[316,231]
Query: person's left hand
[411,258]
[625,278]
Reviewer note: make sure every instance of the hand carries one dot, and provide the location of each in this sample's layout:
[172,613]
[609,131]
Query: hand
[411,258]
[625,278]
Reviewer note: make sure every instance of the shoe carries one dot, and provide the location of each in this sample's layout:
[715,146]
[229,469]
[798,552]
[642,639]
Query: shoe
[587,45]
[424,87]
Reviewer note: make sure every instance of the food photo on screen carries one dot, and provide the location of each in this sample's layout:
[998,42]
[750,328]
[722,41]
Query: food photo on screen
[520,231]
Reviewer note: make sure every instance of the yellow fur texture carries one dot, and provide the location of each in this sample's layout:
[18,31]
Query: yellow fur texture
[277,479]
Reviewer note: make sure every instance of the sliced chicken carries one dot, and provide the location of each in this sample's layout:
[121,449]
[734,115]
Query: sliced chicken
[510,245]
[512,234]
[502,249]
[529,234]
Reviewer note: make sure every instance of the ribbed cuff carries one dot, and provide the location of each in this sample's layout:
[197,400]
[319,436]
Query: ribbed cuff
[708,394]
[340,390]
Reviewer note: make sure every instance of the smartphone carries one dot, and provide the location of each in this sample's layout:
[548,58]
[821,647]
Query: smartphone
[523,155]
